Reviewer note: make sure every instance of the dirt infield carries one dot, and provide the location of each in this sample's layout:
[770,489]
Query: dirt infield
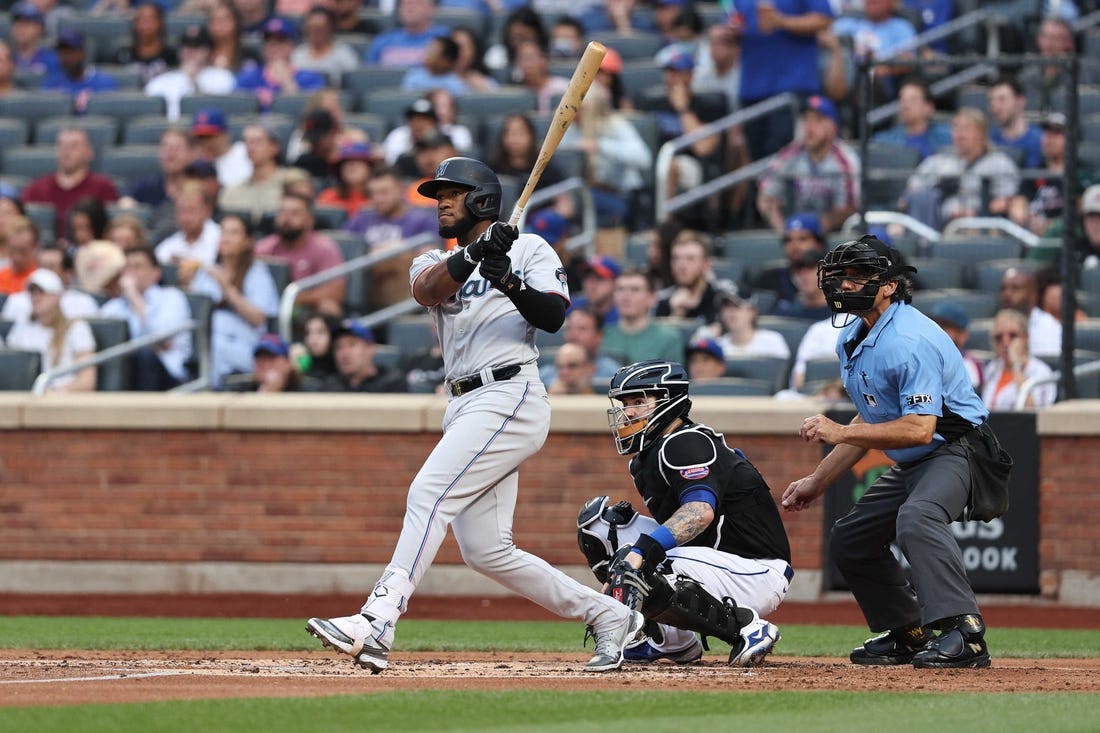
[81,677]
[73,678]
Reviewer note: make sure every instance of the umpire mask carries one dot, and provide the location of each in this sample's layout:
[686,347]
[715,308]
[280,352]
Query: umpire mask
[867,261]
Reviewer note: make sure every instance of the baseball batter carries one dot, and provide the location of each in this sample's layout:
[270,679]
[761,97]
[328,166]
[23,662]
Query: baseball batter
[714,557]
[488,298]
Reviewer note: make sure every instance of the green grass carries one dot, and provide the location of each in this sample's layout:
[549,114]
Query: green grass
[582,712]
[17,632]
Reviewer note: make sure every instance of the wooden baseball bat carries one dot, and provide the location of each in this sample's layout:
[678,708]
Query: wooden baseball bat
[563,117]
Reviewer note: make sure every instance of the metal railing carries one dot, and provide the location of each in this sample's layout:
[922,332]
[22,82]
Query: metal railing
[922,230]
[118,351]
[1029,385]
[362,262]
[1009,227]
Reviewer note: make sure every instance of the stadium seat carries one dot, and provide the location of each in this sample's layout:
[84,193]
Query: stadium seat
[18,369]
[387,357]
[731,387]
[102,31]
[411,334]
[934,273]
[112,376]
[146,130]
[237,103]
[376,126]
[640,76]
[823,369]
[367,79]
[35,106]
[771,369]
[975,303]
[352,246]
[988,275]
[124,106]
[130,162]
[631,46]
[14,133]
[29,162]
[792,329]
[390,104]
[5,326]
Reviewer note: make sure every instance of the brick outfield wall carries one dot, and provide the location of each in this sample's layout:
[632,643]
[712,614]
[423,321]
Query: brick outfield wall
[226,495]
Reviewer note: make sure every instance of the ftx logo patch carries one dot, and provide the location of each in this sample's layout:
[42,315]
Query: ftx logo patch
[918,399]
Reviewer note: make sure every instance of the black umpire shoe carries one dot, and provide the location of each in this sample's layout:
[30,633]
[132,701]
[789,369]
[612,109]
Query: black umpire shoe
[898,646]
[961,644]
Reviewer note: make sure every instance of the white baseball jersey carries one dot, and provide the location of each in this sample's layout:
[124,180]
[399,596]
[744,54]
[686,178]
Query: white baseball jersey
[478,326]
[471,480]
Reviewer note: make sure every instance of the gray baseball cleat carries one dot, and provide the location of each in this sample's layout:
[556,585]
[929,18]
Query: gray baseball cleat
[352,635]
[611,642]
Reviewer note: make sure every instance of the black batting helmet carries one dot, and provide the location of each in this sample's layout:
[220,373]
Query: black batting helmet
[668,381]
[868,254]
[483,199]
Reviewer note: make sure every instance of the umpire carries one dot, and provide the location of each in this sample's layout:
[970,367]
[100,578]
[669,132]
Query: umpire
[915,402]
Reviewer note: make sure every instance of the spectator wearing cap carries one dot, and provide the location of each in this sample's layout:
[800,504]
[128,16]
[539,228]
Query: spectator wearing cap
[405,45]
[322,51]
[259,193]
[1088,244]
[916,128]
[692,294]
[953,320]
[437,70]
[149,308]
[271,369]
[276,74]
[60,340]
[635,337]
[680,111]
[808,303]
[818,174]
[427,154]
[74,303]
[705,359]
[148,52]
[876,33]
[598,288]
[245,295]
[1041,200]
[779,53]
[970,179]
[351,178]
[22,255]
[574,371]
[533,64]
[195,75]
[420,122]
[354,348]
[28,25]
[610,77]
[1010,128]
[195,241]
[802,233]
[210,134]
[554,228]
[737,331]
[306,251]
[73,180]
[75,77]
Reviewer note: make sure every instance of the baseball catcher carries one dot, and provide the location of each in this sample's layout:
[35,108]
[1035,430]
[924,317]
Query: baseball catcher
[714,556]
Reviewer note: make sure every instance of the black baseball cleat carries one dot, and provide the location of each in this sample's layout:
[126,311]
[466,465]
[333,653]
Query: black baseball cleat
[960,645]
[897,646]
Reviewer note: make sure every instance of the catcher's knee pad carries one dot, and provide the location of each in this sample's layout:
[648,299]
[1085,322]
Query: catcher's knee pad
[686,605]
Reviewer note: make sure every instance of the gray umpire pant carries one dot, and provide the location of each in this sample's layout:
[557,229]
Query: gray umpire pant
[915,505]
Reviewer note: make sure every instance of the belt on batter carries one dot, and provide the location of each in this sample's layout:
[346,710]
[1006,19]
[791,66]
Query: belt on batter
[464,385]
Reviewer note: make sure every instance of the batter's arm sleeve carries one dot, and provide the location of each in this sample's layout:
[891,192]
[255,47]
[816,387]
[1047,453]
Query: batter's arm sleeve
[545,311]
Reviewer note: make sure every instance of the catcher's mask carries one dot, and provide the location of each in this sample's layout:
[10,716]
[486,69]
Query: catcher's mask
[483,199]
[866,261]
[667,382]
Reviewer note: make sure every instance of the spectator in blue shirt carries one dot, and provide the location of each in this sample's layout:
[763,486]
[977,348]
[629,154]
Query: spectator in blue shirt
[76,77]
[933,14]
[438,69]
[28,25]
[915,128]
[276,75]
[405,46]
[875,35]
[1010,129]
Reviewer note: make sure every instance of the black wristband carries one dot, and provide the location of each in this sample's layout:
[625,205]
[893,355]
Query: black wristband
[652,552]
[459,268]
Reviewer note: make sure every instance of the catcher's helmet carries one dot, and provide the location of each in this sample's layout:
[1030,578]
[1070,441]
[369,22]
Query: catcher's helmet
[668,381]
[877,262]
[483,199]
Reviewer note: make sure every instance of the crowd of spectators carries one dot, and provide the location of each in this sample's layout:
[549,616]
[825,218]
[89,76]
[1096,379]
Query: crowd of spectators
[235,206]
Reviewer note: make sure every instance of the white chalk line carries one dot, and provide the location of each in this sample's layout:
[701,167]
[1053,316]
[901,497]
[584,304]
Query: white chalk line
[98,678]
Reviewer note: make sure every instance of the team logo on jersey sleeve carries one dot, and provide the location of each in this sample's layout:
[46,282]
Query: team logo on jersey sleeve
[562,277]
[870,400]
[695,472]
